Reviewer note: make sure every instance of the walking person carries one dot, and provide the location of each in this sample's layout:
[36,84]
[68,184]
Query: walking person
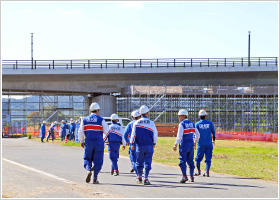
[63,130]
[43,131]
[205,143]
[144,137]
[72,128]
[90,134]
[116,138]
[135,115]
[52,128]
[185,135]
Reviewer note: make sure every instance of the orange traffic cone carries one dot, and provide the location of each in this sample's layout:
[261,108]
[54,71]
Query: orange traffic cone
[65,139]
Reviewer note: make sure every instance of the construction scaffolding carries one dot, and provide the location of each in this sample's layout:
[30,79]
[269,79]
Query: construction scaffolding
[230,108]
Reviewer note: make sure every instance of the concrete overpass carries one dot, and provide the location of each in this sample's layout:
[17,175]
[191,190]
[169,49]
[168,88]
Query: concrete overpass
[102,77]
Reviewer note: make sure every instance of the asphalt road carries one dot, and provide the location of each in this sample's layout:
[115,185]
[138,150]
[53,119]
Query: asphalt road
[34,170]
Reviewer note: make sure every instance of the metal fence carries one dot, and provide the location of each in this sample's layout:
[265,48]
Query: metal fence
[139,63]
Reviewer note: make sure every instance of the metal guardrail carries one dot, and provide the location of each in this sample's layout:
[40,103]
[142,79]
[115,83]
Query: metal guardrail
[139,63]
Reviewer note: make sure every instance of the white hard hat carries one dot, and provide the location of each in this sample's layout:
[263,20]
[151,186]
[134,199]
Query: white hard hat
[63,121]
[135,113]
[144,109]
[44,122]
[202,113]
[71,119]
[55,122]
[114,116]
[94,106]
[183,112]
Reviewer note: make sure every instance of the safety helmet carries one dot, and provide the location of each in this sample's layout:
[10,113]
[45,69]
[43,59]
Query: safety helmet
[202,113]
[144,109]
[135,113]
[183,112]
[44,122]
[114,117]
[62,121]
[71,119]
[94,106]
[55,122]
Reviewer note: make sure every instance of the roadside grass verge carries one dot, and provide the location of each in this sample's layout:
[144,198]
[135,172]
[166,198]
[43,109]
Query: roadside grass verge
[242,158]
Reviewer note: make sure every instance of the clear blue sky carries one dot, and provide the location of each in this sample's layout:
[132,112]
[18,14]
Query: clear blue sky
[88,30]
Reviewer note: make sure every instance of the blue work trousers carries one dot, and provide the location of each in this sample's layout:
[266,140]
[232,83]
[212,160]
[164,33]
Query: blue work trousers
[63,134]
[94,154]
[42,137]
[132,157]
[72,135]
[186,155]
[114,149]
[50,134]
[144,156]
[201,151]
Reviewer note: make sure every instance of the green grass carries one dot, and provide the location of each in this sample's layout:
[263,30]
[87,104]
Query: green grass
[242,158]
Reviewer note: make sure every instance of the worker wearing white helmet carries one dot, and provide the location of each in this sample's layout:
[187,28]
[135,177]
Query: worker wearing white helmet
[205,143]
[185,135]
[72,128]
[91,132]
[62,130]
[115,137]
[135,115]
[52,128]
[144,136]
[43,131]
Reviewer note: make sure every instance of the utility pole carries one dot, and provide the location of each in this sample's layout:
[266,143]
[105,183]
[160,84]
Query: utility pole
[32,50]
[249,62]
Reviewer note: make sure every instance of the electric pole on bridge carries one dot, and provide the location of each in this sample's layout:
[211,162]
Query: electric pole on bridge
[32,50]
[249,63]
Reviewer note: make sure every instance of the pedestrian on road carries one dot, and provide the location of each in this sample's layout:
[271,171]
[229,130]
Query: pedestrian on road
[205,143]
[144,136]
[135,115]
[116,138]
[93,128]
[51,131]
[43,131]
[63,130]
[185,135]
[72,128]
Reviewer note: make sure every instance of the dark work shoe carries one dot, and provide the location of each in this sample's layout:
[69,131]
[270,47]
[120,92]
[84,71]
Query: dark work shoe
[206,174]
[198,173]
[147,182]
[116,173]
[89,173]
[95,181]
[184,179]
[112,172]
[132,170]
[192,179]
[138,180]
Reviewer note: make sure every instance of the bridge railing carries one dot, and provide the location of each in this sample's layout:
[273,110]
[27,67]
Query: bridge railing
[139,63]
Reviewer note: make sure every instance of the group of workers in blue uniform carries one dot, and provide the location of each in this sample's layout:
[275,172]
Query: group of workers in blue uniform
[65,130]
[141,135]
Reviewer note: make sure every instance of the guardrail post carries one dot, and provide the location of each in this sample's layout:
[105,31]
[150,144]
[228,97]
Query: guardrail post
[266,63]
[140,63]
[191,62]
[35,64]
[225,62]
[49,66]
[259,61]
[106,64]
[233,63]
[151,65]
[157,62]
[71,64]
[66,66]
[16,64]
[276,61]
[88,64]
[174,63]
[208,62]
[13,66]
[242,62]
[84,66]
[118,65]
[200,64]
[184,64]
[134,65]
[53,63]
[217,64]
[123,63]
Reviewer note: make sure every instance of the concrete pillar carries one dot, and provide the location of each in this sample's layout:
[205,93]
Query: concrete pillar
[107,104]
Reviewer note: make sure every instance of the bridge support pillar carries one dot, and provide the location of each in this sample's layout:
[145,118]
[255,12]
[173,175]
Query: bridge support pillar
[107,104]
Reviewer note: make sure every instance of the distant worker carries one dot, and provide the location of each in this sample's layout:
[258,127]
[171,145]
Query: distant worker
[144,137]
[67,130]
[51,131]
[93,128]
[185,135]
[135,115]
[43,131]
[72,128]
[116,138]
[63,130]
[205,144]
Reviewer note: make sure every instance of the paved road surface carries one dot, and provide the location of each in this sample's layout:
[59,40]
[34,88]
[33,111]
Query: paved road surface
[35,170]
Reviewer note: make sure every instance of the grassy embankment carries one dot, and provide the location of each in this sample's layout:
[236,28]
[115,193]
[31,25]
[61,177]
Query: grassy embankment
[242,158]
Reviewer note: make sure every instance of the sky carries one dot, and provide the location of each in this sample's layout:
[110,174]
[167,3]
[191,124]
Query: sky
[136,29]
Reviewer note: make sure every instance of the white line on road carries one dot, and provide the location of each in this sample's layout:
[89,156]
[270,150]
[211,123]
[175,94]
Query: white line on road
[40,172]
